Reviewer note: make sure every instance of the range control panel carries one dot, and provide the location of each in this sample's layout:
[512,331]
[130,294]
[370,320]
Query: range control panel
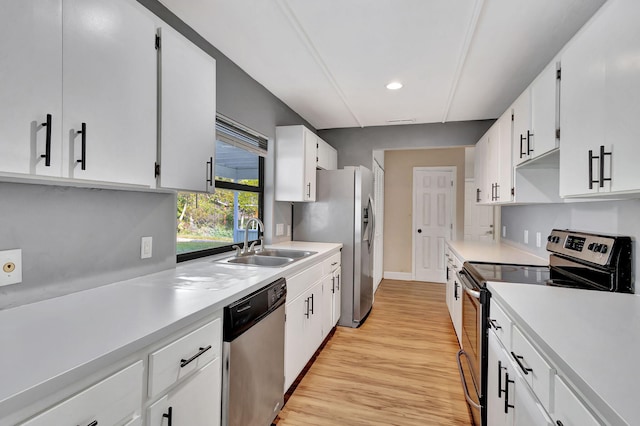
[581,245]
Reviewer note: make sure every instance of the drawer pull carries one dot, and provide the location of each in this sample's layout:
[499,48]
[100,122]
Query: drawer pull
[168,415]
[524,369]
[559,423]
[83,157]
[184,362]
[500,390]
[506,394]
[93,423]
[334,263]
[494,324]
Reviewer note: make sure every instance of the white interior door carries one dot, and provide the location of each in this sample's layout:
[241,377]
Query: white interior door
[478,219]
[432,221]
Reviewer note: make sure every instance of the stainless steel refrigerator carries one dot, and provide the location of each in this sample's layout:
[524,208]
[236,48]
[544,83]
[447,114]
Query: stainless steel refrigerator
[343,213]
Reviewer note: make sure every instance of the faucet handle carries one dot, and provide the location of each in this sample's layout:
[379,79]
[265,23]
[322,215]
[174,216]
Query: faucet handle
[238,249]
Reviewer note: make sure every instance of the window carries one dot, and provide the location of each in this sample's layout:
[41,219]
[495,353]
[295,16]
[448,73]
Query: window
[212,223]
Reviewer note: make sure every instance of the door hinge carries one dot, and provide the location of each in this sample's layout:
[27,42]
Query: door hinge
[451,183]
[156,169]
[557,133]
[157,42]
[512,116]
[513,191]
[559,74]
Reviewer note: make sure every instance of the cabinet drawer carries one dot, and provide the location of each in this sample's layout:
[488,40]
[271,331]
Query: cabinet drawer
[170,364]
[568,409]
[533,367]
[501,325]
[331,264]
[114,401]
[299,283]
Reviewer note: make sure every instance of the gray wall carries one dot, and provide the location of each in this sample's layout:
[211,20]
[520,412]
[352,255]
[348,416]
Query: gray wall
[356,145]
[73,239]
[608,217]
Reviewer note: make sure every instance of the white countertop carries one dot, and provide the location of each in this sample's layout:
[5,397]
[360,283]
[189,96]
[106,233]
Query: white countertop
[483,251]
[592,336]
[53,343]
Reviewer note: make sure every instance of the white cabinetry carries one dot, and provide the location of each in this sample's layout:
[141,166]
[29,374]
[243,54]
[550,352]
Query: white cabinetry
[296,148]
[113,401]
[91,65]
[493,167]
[196,401]
[186,149]
[599,108]
[327,156]
[454,292]
[331,294]
[523,387]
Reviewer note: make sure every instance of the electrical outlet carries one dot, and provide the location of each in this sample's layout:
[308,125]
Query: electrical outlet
[279,229]
[146,247]
[11,264]
[526,236]
[504,231]
[538,239]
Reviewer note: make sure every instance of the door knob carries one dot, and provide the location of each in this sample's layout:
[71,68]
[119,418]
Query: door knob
[419,231]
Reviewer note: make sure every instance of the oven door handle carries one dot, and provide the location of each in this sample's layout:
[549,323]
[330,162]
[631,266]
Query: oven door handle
[464,380]
[462,275]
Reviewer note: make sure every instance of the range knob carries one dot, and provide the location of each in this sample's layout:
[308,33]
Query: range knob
[591,246]
[556,239]
[604,248]
[550,238]
[597,248]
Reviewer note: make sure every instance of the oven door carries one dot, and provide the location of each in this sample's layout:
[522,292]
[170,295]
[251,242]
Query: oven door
[470,357]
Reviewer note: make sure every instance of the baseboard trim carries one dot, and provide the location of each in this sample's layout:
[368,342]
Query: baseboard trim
[400,276]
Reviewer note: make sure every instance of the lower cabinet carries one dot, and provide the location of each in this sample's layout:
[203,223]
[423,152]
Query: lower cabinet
[454,292]
[113,401]
[196,401]
[523,387]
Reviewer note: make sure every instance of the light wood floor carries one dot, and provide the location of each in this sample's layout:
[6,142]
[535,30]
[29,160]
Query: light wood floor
[398,368]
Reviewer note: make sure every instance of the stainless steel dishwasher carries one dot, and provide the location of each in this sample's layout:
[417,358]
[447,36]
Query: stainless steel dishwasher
[253,357]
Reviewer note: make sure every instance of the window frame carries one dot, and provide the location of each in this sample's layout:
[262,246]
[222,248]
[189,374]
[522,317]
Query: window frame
[232,186]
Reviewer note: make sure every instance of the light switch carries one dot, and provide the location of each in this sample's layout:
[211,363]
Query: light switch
[146,247]
[279,229]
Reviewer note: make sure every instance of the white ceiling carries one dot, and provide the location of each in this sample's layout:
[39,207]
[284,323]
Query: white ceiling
[330,60]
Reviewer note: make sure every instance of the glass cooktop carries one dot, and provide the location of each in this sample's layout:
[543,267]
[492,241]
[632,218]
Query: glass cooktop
[525,274]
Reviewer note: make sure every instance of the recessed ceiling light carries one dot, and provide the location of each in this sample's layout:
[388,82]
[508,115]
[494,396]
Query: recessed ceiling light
[394,85]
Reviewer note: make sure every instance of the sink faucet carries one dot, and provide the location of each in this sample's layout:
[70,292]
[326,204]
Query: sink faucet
[249,250]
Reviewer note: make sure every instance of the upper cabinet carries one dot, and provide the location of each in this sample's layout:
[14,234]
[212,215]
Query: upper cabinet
[327,158]
[599,109]
[535,117]
[296,159]
[493,168]
[187,114]
[79,90]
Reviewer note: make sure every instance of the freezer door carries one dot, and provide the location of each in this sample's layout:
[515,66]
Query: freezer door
[363,244]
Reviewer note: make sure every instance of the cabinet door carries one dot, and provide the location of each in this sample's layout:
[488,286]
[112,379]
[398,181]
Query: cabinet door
[497,372]
[544,108]
[310,147]
[504,166]
[109,83]
[582,118]
[197,401]
[187,114]
[457,308]
[337,296]
[328,289]
[527,410]
[31,69]
[327,156]
[481,167]
[522,128]
[568,409]
[299,333]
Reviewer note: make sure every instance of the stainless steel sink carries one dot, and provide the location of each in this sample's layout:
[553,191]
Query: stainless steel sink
[253,260]
[294,254]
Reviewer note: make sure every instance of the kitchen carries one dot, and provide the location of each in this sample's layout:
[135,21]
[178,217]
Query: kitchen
[53,221]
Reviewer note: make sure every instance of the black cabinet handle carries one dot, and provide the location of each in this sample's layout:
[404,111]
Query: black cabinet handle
[506,393]
[591,158]
[311,303]
[455,290]
[185,362]
[447,273]
[333,284]
[306,314]
[494,324]
[500,390]
[529,150]
[168,415]
[47,149]
[477,195]
[83,157]
[559,423]
[518,359]
[210,171]
[521,145]
[93,423]
[602,154]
